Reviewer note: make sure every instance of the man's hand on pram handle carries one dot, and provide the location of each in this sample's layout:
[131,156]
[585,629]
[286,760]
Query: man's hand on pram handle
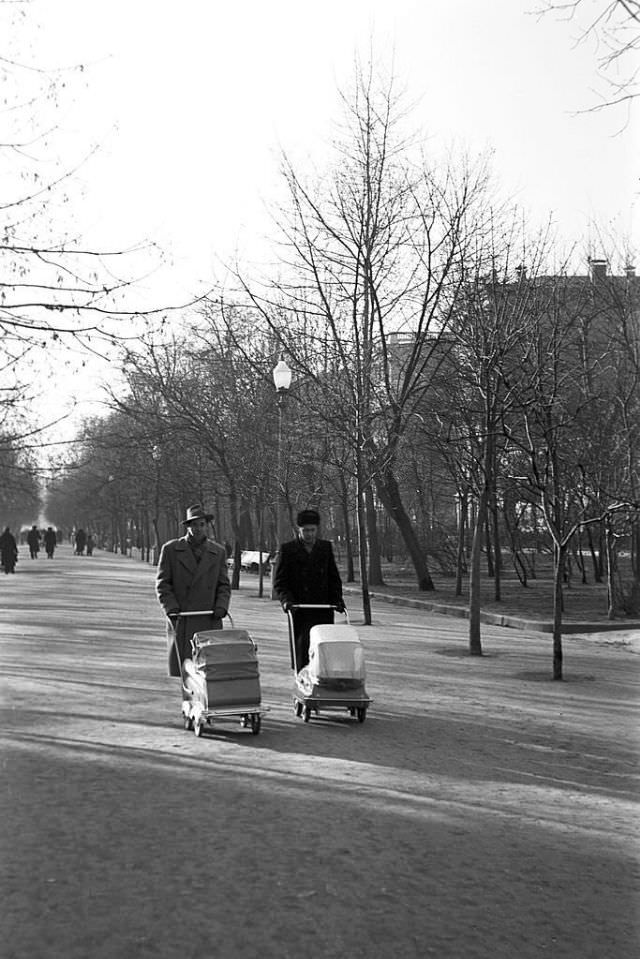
[219,612]
[339,607]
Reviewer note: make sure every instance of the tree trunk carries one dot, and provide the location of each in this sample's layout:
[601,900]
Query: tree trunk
[488,547]
[237,557]
[122,534]
[156,540]
[362,541]
[147,537]
[462,526]
[389,493]
[559,554]
[635,550]
[247,531]
[346,519]
[613,598]
[595,559]
[520,568]
[375,563]
[263,554]
[237,541]
[387,540]
[497,552]
[475,643]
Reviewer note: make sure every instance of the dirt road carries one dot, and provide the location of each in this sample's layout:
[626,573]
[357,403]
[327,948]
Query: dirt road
[481,811]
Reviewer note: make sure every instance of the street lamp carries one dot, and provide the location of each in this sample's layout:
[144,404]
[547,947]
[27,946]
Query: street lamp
[282,381]
[281,378]
[156,456]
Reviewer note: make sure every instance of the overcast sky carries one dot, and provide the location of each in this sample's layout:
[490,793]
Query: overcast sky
[193,100]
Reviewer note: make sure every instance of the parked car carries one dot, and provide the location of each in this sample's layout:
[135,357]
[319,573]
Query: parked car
[250,561]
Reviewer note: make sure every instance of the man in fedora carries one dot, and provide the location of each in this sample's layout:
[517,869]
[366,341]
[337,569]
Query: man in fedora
[306,573]
[192,575]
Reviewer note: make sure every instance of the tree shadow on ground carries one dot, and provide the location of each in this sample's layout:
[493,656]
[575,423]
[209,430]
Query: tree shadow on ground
[195,857]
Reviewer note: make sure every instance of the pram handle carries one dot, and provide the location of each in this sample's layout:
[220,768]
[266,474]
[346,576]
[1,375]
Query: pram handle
[313,606]
[295,606]
[201,612]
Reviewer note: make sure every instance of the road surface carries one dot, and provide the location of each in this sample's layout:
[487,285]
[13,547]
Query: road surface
[481,811]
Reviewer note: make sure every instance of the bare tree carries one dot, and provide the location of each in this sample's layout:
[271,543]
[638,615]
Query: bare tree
[614,26]
[367,286]
[560,379]
[492,314]
[59,295]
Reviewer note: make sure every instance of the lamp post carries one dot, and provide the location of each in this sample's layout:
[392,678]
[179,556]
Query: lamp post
[156,455]
[282,381]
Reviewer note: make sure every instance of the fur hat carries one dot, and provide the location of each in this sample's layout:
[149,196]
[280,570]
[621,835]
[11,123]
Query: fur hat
[308,517]
[196,512]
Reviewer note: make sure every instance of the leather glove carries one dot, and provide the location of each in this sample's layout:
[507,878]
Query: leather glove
[219,612]
[341,608]
[286,606]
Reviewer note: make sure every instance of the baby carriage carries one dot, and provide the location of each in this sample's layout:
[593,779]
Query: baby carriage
[335,676]
[221,680]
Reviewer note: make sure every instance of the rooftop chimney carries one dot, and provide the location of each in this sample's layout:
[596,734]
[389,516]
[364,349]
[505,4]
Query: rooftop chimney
[597,270]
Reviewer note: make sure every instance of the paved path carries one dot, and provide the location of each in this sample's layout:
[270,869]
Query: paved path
[480,811]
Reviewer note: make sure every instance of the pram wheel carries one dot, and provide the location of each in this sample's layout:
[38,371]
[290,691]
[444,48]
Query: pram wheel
[297,707]
[197,727]
[307,714]
[361,713]
[187,722]
[256,722]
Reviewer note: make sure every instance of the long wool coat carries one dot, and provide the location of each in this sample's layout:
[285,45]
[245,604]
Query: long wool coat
[184,585]
[307,577]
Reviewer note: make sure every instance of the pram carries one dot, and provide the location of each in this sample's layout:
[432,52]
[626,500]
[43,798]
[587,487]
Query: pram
[221,680]
[335,676]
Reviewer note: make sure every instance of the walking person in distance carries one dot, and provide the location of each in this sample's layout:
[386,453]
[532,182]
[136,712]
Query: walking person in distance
[50,541]
[33,542]
[8,551]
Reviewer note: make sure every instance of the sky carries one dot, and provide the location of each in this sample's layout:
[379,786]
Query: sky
[192,103]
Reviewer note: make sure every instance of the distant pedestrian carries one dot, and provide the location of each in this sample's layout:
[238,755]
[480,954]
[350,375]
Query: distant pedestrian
[81,542]
[90,544]
[8,551]
[50,541]
[33,541]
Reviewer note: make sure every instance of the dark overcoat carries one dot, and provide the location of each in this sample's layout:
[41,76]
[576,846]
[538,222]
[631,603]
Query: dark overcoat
[304,576]
[184,585]
[8,550]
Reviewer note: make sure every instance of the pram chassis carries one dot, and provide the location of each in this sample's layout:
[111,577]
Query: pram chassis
[305,705]
[195,717]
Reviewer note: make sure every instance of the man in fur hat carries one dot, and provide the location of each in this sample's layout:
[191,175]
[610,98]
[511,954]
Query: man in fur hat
[192,575]
[307,573]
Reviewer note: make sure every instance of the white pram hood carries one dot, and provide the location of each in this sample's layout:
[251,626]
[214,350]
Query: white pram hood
[335,652]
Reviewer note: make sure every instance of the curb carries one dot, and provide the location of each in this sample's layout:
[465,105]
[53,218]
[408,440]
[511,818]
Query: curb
[497,619]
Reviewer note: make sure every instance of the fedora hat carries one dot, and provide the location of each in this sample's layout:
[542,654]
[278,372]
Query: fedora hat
[196,512]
